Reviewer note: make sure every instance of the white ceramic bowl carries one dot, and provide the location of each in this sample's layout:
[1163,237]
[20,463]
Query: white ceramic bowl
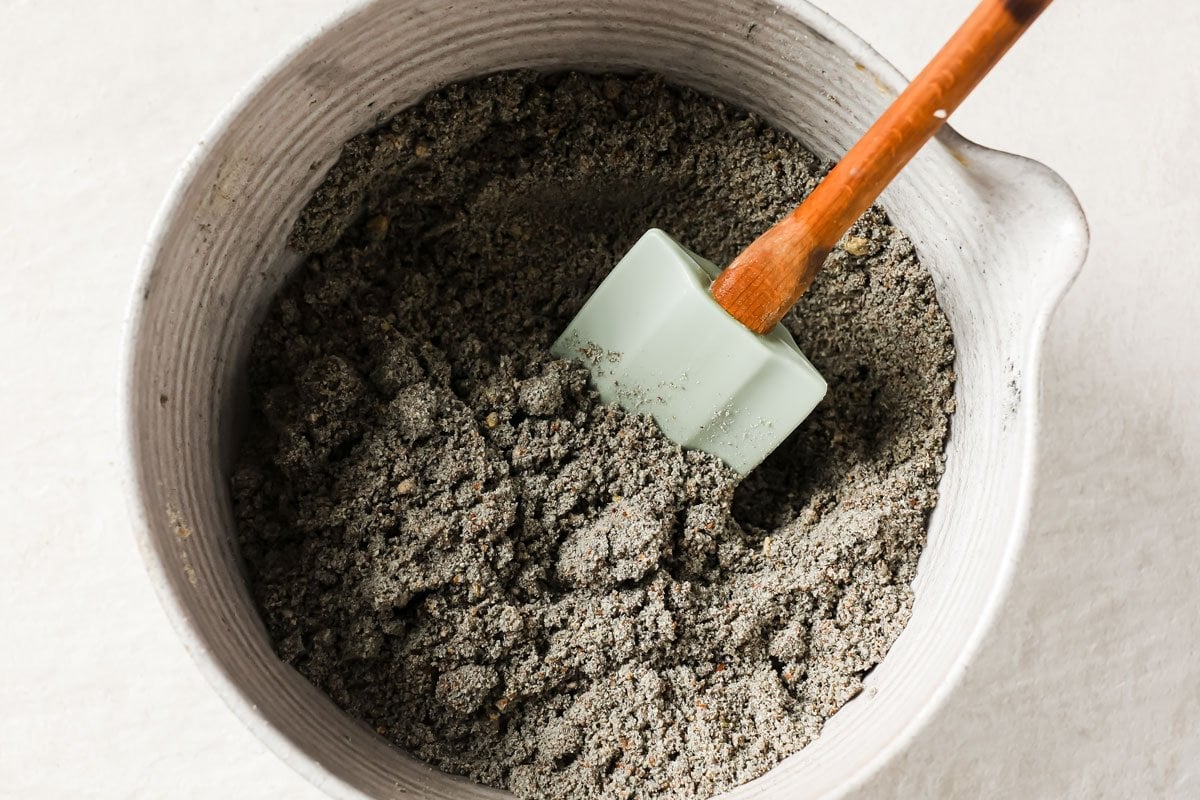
[1002,236]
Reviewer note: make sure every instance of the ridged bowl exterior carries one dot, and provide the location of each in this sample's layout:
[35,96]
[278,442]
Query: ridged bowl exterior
[1003,237]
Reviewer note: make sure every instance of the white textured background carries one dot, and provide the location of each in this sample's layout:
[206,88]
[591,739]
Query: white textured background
[1088,686]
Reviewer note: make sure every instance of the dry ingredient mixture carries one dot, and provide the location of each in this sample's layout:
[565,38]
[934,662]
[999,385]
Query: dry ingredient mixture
[448,534]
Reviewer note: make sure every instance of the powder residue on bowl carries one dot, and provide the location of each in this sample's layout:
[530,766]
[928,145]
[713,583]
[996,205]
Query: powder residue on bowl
[450,535]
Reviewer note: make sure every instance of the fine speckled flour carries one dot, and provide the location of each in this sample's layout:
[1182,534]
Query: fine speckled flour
[448,534]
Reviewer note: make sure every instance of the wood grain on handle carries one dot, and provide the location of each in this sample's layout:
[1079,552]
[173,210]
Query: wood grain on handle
[768,277]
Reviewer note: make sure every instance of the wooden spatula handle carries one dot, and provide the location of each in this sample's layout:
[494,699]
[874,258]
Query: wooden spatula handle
[768,277]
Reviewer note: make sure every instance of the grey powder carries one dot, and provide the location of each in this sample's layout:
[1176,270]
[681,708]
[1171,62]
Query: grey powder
[449,535]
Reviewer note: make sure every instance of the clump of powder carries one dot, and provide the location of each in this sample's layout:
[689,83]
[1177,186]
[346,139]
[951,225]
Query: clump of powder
[450,535]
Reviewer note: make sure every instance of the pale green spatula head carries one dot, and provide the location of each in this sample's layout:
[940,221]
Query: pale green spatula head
[657,343]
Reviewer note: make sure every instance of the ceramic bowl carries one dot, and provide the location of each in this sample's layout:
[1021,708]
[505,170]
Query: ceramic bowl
[1003,237]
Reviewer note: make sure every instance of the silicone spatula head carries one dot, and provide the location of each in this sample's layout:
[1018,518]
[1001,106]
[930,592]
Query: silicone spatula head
[657,343]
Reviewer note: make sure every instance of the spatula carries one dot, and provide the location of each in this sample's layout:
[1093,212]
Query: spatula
[702,350]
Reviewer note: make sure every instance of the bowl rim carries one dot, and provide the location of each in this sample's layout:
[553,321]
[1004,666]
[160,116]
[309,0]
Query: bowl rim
[1075,241]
